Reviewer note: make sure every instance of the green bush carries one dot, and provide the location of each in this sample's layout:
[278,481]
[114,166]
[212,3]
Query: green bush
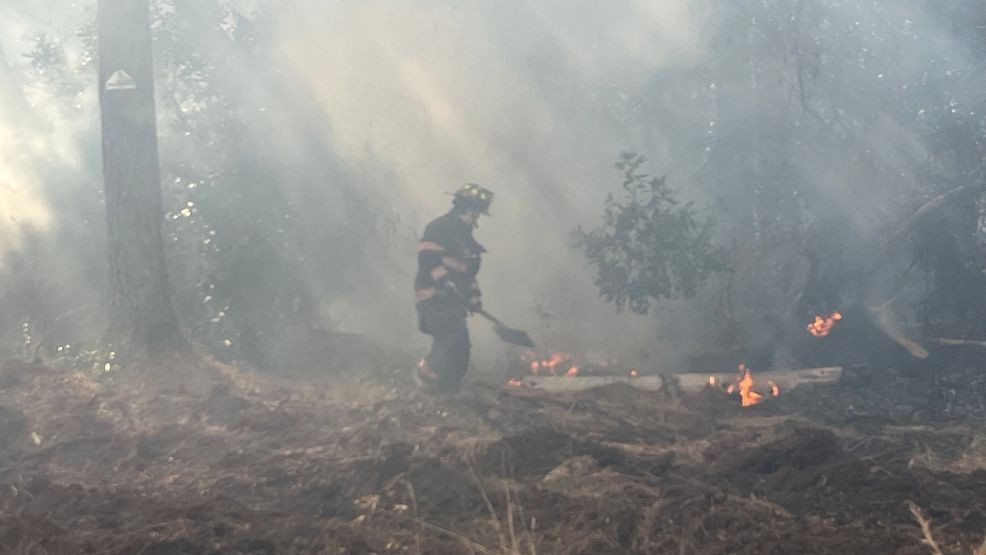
[650,246]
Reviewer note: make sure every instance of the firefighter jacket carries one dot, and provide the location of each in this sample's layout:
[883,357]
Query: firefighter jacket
[448,259]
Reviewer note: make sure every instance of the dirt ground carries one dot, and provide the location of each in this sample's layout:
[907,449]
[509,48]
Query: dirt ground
[202,458]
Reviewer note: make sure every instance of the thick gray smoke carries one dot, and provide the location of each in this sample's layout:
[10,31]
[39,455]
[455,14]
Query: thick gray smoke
[532,99]
[403,101]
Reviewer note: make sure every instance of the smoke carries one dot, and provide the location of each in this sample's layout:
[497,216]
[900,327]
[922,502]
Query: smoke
[21,206]
[527,98]
[402,101]
[534,99]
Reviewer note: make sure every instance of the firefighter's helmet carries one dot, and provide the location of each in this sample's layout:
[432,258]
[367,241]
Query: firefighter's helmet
[473,197]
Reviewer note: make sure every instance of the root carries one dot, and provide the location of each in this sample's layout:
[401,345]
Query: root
[417,518]
[928,540]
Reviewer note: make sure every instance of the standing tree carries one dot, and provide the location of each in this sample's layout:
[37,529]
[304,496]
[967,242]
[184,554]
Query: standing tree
[141,314]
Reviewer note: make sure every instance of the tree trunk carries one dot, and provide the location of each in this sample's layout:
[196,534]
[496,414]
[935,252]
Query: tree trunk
[142,317]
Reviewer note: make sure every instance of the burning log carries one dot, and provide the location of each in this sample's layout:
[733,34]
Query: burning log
[784,380]
[764,382]
[744,386]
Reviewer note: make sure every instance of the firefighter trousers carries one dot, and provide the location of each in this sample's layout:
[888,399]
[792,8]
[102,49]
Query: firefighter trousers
[445,321]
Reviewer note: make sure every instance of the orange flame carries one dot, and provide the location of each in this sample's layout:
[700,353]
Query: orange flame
[747,395]
[633,373]
[744,384]
[712,381]
[822,325]
[572,372]
[515,382]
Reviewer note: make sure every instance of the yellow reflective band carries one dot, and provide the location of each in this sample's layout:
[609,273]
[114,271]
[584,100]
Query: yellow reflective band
[427,293]
[439,272]
[430,246]
[455,264]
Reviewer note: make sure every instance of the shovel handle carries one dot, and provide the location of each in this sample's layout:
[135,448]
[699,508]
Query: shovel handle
[489,317]
[458,296]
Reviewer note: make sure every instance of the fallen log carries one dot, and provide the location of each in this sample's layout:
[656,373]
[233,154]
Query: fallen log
[691,382]
[561,384]
[891,326]
[959,342]
[784,379]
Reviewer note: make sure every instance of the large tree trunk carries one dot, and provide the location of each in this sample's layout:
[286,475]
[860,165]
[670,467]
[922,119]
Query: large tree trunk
[142,316]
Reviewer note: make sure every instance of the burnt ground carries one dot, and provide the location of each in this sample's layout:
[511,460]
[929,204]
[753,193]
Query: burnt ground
[201,458]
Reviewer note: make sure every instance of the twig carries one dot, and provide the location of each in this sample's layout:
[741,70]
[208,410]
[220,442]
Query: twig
[472,545]
[928,540]
[973,185]
[417,518]
[514,544]
[489,504]
[529,529]
[435,528]
[510,512]
[349,460]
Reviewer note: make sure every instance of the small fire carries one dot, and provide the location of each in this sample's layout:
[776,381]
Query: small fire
[572,365]
[548,364]
[822,325]
[774,390]
[515,382]
[747,395]
[712,381]
[744,384]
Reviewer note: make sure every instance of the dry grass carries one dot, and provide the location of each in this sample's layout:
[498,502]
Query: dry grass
[511,542]
[973,457]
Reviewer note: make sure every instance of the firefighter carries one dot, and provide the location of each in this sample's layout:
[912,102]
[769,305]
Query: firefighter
[446,288]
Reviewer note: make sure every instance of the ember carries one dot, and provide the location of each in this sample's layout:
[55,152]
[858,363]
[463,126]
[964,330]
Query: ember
[822,325]
[572,372]
[548,364]
[515,382]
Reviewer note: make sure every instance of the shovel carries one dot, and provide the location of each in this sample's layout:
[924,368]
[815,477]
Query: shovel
[508,335]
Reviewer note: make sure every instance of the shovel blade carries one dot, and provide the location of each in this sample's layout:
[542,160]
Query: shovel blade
[512,336]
